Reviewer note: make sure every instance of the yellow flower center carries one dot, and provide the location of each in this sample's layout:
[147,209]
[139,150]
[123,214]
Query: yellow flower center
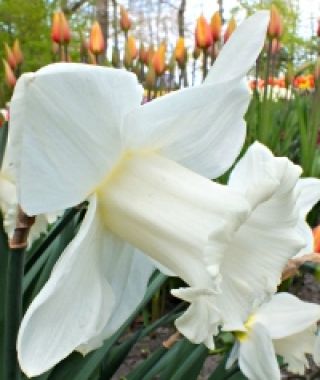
[243,335]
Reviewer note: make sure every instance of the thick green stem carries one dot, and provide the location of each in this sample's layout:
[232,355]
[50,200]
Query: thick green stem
[13,301]
[205,64]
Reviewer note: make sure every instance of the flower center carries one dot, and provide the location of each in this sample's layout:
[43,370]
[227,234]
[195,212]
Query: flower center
[243,335]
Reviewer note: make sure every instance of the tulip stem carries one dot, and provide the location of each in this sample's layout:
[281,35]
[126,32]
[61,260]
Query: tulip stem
[13,301]
[205,63]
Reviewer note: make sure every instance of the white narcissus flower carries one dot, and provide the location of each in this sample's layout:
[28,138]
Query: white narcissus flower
[284,326]
[88,137]
[253,261]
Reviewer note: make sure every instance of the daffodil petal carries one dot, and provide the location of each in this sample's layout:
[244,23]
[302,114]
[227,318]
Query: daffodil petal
[72,137]
[202,127]
[264,243]
[309,189]
[72,307]
[257,359]
[234,355]
[294,349]
[285,315]
[199,323]
[241,51]
[127,270]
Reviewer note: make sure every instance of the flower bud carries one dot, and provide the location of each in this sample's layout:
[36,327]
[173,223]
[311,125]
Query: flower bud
[17,52]
[60,31]
[125,22]
[275,28]
[180,52]
[9,76]
[10,58]
[203,33]
[216,24]
[143,54]
[132,47]
[96,41]
[158,60]
[230,29]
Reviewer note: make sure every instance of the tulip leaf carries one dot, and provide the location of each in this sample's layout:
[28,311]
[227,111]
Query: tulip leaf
[3,140]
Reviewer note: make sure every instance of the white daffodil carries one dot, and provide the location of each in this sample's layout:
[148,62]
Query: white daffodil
[274,231]
[285,326]
[88,137]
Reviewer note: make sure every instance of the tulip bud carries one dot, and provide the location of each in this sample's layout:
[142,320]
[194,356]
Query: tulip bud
[203,33]
[60,31]
[158,60]
[275,28]
[10,78]
[17,52]
[132,47]
[125,22]
[143,54]
[10,58]
[230,29]
[180,51]
[96,41]
[216,24]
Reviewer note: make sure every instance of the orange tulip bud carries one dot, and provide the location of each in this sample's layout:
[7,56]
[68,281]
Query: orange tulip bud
[96,41]
[203,33]
[17,52]
[316,239]
[230,29]
[216,24]
[10,78]
[143,54]
[180,51]
[158,60]
[60,31]
[10,58]
[275,28]
[132,47]
[125,22]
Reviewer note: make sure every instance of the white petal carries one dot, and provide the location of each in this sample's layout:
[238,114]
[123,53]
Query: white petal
[294,349]
[73,306]
[72,137]
[285,315]
[242,49]
[316,354]
[309,189]
[201,127]
[127,271]
[262,246]
[200,322]
[257,359]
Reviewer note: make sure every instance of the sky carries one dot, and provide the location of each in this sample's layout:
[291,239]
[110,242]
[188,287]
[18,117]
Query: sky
[309,12]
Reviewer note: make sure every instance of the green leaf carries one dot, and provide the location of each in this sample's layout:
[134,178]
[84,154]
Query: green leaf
[3,140]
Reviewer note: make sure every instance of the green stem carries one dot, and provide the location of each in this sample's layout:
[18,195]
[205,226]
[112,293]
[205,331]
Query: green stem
[13,308]
[205,64]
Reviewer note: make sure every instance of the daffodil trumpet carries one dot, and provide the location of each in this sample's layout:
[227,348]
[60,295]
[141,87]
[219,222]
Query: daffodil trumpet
[141,168]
